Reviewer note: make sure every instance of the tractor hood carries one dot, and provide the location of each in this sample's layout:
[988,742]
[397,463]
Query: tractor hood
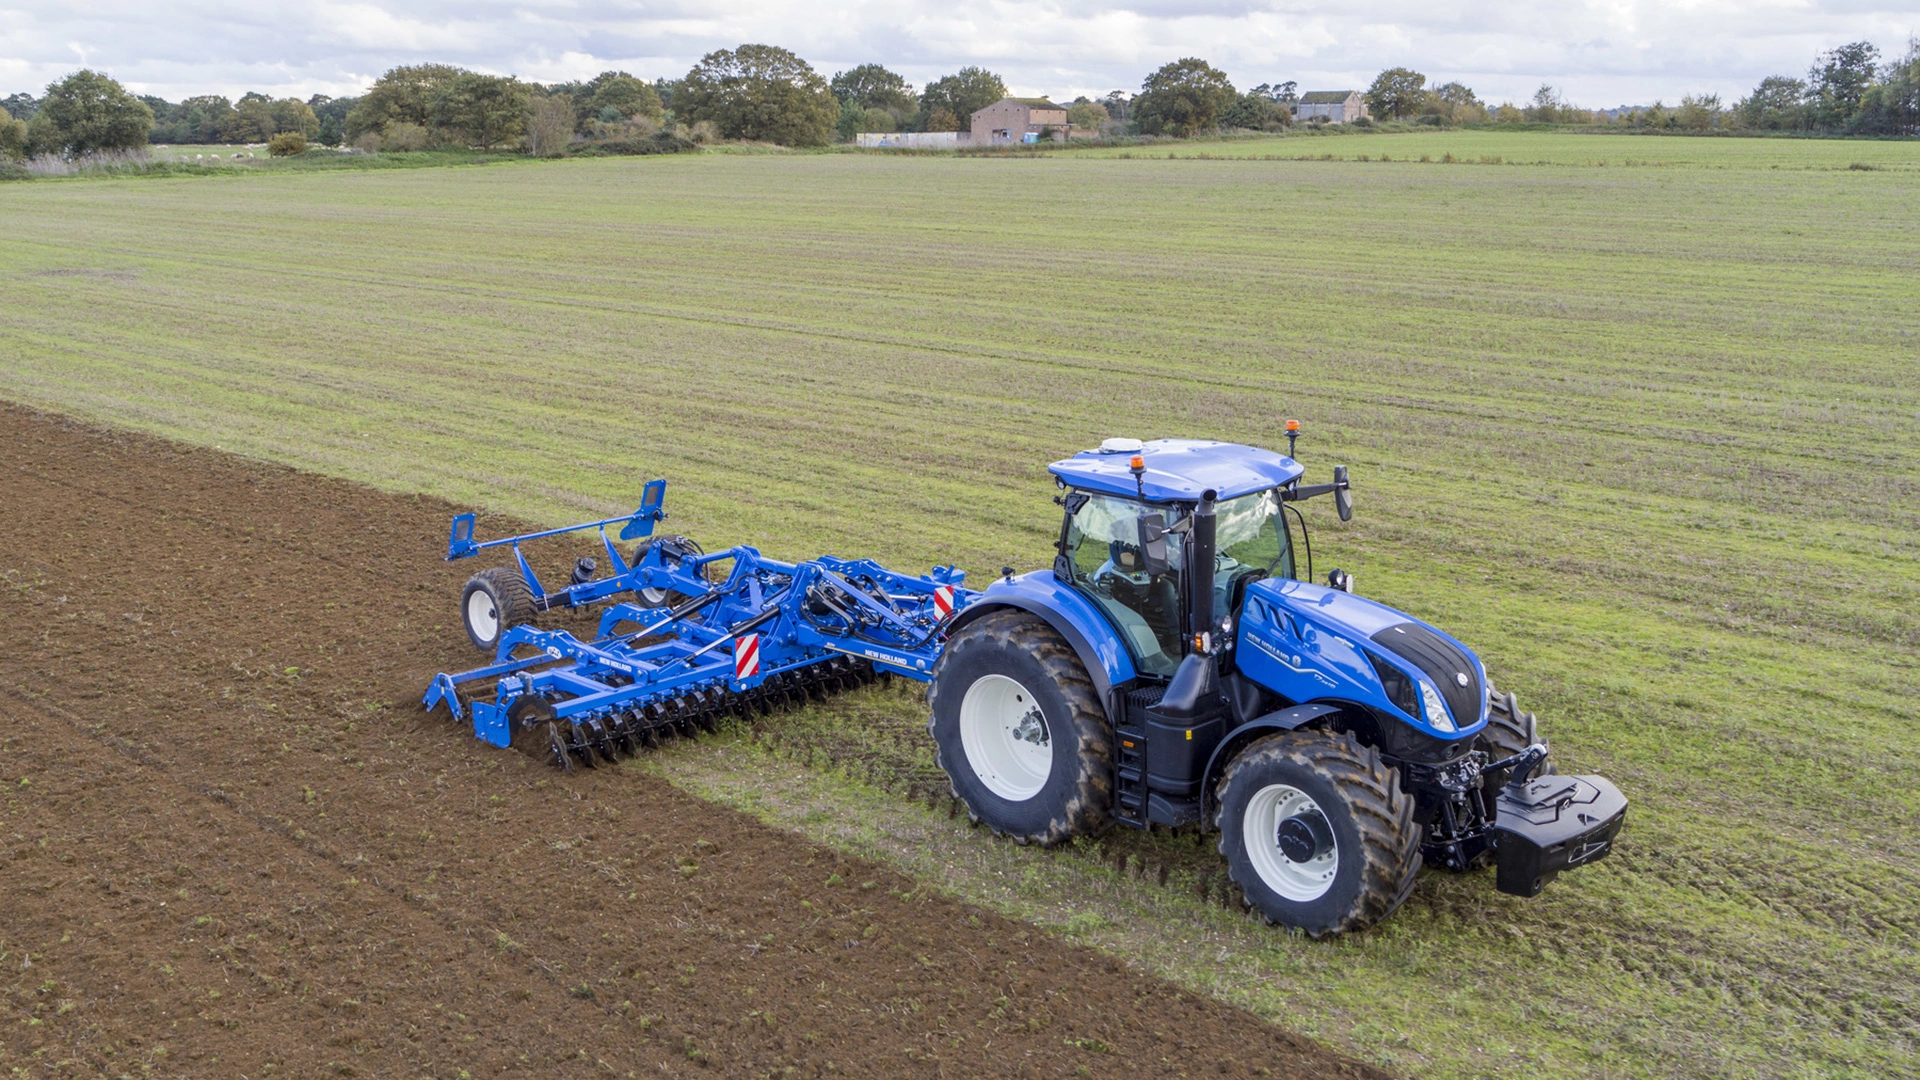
[1311,643]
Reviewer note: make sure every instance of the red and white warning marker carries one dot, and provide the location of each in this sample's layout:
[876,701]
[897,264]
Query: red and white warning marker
[746,656]
[943,601]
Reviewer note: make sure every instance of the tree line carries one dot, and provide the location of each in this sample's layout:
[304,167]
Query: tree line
[766,93]
[1847,91]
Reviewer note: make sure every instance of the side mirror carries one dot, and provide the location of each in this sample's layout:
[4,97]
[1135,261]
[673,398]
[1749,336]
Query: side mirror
[1342,496]
[1152,532]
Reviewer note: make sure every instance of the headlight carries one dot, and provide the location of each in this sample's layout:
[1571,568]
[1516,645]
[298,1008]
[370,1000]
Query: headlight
[1437,715]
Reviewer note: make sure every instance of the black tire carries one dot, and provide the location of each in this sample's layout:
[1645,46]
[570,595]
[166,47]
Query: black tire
[1076,796]
[1508,732]
[674,548]
[1361,810]
[507,603]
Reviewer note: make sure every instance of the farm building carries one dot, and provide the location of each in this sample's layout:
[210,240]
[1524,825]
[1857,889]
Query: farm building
[1334,106]
[1012,120]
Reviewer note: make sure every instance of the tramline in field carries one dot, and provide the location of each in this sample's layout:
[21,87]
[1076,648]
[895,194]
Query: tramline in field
[1172,668]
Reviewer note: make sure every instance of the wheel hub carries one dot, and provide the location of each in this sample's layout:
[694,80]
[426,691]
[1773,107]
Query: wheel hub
[1004,735]
[1281,824]
[1304,837]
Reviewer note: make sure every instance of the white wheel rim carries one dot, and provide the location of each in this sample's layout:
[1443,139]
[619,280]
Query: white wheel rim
[1005,737]
[1260,827]
[654,597]
[482,618]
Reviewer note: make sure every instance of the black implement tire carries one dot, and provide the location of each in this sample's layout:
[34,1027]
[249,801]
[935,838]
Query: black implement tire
[674,548]
[1040,780]
[494,602]
[1365,852]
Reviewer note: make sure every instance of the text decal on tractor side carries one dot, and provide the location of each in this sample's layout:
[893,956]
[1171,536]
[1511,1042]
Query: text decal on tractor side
[1178,665]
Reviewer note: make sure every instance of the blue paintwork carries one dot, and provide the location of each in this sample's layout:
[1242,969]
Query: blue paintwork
[901,628]
[462,545]
[1178,470]
[1304,641]
[1078,620]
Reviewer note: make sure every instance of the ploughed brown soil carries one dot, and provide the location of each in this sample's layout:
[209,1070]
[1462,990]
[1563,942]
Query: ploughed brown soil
[232,844]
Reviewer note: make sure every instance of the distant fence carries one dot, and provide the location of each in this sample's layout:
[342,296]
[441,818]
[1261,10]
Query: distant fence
[914,140]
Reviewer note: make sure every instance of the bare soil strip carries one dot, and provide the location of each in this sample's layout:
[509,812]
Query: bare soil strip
[232,844]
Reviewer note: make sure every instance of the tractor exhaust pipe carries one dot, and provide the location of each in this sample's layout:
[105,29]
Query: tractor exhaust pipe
[1201,585]
[1195,689]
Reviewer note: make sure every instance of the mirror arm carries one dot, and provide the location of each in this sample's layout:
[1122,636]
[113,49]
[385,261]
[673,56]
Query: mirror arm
[1307,491]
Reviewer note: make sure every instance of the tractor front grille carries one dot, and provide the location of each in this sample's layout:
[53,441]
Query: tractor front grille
[1443,661]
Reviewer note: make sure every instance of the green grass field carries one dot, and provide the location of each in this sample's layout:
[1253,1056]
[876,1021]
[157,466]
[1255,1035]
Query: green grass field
[1645,437]
[1494,147]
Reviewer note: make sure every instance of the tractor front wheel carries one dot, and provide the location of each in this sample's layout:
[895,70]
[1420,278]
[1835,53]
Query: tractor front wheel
[1020,732]
[494,602]
[1317,832]
[1508,732]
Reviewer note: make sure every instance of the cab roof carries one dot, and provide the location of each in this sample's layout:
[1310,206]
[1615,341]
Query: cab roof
[1178,470]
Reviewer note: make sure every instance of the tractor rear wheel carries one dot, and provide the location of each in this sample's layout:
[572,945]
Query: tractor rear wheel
[1020,731]
[494,602]
[1317,832]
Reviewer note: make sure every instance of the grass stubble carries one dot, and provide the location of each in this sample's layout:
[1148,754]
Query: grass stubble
[1644,437]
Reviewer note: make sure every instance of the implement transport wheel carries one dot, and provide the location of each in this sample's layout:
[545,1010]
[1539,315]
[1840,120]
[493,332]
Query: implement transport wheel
[1020,732]
[494,602]
[673,550]
[1317,832]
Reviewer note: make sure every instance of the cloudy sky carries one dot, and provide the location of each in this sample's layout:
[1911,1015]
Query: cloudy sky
[1599,52]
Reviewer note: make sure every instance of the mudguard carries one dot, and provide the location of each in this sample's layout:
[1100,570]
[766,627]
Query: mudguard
[1279,720]
[1093,638]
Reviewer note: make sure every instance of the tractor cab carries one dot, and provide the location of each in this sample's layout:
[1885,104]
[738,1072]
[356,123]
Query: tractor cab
[1126,540]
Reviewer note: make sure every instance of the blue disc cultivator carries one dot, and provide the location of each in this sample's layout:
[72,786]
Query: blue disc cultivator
[1177,665]
[683,642]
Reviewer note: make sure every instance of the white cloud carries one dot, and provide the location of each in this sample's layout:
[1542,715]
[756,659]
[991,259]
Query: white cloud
[1599,52]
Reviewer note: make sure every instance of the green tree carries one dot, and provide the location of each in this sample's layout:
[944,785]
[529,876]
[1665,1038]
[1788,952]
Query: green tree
[625,95]
[481,110]
[872,86]
[1458,103]
[551,123]
[852,116]
[404,95]
[1182,98]
[329,132]
[13,136]
[961,94]
[1088,115]
[202,116]
[759,92]
[1837,82]
[250,121]
[1893,106]
[1397,93]
[87,111]
[943,119]
[1255,112]
[1547,108]
[1699,112]
[1777,104]
[292,114]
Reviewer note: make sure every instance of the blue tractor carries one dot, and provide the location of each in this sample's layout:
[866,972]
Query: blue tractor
[1173,668]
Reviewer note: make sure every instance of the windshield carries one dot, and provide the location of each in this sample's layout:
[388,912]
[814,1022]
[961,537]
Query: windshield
[1102,543]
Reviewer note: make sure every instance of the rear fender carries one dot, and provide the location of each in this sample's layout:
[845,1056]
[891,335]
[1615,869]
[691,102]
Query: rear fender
[1092,637]
[1287,719]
